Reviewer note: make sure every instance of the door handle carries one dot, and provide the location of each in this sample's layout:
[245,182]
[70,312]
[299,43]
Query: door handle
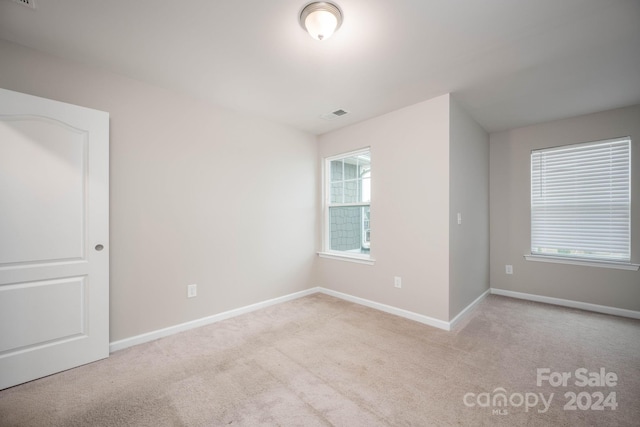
[99,248]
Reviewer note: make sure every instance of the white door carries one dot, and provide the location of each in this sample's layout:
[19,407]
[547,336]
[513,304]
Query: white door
[54,248]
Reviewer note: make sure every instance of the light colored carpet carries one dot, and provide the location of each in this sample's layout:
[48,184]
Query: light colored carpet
[320,361]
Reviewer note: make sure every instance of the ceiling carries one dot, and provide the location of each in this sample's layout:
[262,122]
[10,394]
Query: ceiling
[510,63]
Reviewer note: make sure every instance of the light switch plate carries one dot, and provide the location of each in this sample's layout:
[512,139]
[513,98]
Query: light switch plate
[397,282]
[192,291]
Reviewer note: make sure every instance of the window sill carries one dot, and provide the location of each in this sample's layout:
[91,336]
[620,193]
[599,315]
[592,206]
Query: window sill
[359,259]
[590,263]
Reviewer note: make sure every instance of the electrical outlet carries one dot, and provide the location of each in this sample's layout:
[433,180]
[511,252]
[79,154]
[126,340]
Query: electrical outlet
[508,269]
[192,291]
[397,282]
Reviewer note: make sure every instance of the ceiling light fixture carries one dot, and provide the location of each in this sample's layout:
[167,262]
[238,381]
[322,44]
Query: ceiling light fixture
[321,19]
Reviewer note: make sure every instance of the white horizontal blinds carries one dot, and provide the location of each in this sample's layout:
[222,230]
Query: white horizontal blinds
[580,201]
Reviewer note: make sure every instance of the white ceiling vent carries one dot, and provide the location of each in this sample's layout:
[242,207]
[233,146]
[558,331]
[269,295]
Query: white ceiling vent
[334,114]
[29,3]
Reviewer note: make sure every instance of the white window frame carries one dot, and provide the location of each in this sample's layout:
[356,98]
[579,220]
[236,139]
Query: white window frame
[326,252]
[544,179]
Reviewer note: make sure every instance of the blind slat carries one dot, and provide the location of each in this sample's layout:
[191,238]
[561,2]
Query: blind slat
[580,200]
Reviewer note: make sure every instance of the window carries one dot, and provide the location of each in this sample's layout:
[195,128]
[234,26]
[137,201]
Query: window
[581,201]
[347,204]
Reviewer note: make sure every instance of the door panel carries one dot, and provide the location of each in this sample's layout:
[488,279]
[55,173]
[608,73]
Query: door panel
[39,312]
[54,284]
[43,188]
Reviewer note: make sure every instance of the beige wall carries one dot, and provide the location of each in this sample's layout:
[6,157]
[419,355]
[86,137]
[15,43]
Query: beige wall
[198,195]
[510,212]
[409,209]
[203,195]
[469,196]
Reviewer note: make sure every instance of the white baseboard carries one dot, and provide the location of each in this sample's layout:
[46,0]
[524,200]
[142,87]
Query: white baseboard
[437,323]
[160,333]
[569,303]
[468,309]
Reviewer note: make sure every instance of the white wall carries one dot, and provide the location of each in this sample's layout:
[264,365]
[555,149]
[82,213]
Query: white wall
[469,196]
[409,209]
[510,212]
[198,195]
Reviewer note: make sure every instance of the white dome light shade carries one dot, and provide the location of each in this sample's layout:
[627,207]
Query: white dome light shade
[321,24]
[321,19]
